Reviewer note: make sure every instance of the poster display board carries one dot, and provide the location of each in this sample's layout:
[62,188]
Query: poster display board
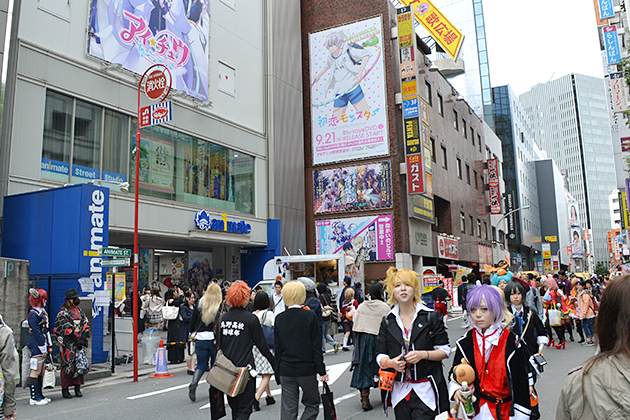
[367,238]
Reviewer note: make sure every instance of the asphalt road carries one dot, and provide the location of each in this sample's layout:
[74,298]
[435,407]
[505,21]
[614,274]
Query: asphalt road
[119,398]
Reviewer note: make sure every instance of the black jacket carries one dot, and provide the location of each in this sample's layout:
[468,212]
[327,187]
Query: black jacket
[517,369]
[427,331]
[528,335]
[238,331]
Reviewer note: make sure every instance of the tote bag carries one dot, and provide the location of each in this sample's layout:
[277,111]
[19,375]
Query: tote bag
[169,313]
[50,373]
[268,332]
[328,402]
[227,378]
[555,318]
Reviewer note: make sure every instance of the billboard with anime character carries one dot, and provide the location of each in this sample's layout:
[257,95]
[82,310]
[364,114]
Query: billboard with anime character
[369,238]
[348,92]
[137,34]
[353,188]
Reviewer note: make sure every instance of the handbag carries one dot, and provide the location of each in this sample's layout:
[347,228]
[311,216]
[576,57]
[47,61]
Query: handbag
[143,313]
[81,362]
[170,313]
[227,378]
[328,402]
[268,332]
[217,404]
[50,374]
[555,318]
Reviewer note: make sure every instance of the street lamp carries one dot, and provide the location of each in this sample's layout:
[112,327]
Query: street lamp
[123,185]
[510,212]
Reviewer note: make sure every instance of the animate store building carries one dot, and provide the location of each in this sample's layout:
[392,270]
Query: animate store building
[70,118]
[356,146]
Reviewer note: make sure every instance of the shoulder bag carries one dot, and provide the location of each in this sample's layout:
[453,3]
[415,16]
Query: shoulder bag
[170,313]
[268,331]
[82,364]
[227,378]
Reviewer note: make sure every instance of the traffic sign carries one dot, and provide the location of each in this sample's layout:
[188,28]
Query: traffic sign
[115,262]
[116,252]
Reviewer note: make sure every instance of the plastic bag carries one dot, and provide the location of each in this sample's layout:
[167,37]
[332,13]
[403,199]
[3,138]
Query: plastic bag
[555,318]
[150,341]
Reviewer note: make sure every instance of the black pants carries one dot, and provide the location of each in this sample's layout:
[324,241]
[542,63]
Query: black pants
[414,409]
[241,405]
[291,393]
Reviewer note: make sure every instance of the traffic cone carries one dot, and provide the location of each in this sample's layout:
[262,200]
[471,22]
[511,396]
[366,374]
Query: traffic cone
[161,370]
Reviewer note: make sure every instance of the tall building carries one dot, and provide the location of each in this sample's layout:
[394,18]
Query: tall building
[570,121]
[519,172]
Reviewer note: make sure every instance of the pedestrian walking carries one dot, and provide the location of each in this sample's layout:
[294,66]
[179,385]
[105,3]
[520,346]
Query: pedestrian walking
[328,314]
[186,313]
[348,309]
[440,298]
[598,389]
[202,328]
[174,344]
[153,308]
[367,322]
[412,341]
[10,365]
[239,330]
[39,344]
[501,383]
[72,331]
[586,311]
[278,302]
[263,367]
[299,358]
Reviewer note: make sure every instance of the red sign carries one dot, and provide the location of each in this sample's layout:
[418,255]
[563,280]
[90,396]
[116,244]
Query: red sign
[447,248]
[625,144]
[493,183]
[157,85]
[415,182]
[485,254]
[448,285]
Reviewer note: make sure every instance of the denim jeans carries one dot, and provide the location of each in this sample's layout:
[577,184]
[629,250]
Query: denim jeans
[326,335]
[206,352]
[587,325]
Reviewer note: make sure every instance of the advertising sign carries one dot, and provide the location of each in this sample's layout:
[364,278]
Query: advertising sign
[461,272]
[612,44]
[410,108]
[415,181]
[625,216]
[368,238]
[156,114]
[485,254]
[494,188]
[362,187]
[157,164]
[577,248]
[546,251]
[605,8]
[120,279]
[618,90]
[430,282]
[423,208]
[625,144]
[447,248]
[441,29]
[141,33]
[412,136]
[574,218]
[349,120]
[511,220]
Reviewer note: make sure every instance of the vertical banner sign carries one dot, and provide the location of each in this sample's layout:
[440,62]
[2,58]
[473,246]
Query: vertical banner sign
[348,92]
[628,192]
[618,91]
[511,220]
[605,9]
[441,29]
[625,216]
[412,136]
[414,174]
[493,183]
[612,44]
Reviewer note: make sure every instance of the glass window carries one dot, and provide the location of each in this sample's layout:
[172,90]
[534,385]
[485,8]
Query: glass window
[459,168]
[86,151]
[429,95]
[472,226]
[455,120]
[464,129]
[444,161]
[440,104]
[468,174]
[115,146]
[475,177]
[472,135]
[57,135]
[433,149]
[485,230]
[462,222]
[478,228]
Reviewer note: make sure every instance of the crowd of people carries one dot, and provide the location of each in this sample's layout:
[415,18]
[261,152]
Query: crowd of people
[394,337]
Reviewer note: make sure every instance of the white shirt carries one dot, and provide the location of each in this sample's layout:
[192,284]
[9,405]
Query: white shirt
[424,390]
[278,303]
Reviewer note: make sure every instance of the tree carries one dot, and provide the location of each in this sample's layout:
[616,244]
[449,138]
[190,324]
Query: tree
[601,269]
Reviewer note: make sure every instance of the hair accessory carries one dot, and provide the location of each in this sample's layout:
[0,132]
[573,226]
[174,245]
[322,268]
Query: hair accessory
[34,293]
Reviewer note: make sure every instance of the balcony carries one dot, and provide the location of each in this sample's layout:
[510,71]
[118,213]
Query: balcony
[447,66]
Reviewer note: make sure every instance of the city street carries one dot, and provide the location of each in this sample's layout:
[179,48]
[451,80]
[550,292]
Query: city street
[117,397]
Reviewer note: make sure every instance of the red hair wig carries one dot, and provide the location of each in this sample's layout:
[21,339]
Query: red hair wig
[238,294]
[38,302]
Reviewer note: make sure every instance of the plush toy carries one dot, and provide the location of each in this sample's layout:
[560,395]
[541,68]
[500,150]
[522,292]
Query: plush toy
[463,372]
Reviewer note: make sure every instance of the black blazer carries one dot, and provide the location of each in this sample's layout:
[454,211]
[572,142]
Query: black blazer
[427,331]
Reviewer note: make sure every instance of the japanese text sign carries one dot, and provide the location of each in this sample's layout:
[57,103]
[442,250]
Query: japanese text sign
[612,44]
[415,172]
[605,9]
[412,136]
[494,187]
[618,91]
[441,29]
[447,248]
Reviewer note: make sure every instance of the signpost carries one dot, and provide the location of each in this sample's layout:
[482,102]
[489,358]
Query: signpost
[116,252]
[115,262]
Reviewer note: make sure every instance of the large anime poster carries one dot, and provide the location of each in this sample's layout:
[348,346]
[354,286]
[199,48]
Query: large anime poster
[156,164]
[137,34]
[348,93]
[369,238]
[353,188]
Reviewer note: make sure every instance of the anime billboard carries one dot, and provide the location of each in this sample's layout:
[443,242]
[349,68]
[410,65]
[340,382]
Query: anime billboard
[363,187]
[369,238]
[348,94]
[141,33]
[577,247]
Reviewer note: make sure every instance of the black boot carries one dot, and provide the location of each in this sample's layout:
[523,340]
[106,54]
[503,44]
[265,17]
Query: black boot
[65,393]
[34,388]
[256,405]
[192,388]
[40,386]
[77,391]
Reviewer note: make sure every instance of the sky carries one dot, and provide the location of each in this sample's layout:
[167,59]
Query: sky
[535,41]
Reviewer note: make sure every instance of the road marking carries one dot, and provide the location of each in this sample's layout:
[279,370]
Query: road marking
[161,391]
[279,391]
[454,318]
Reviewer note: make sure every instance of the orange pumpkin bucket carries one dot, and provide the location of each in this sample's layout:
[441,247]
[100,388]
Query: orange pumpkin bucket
[533,399]
[385,379]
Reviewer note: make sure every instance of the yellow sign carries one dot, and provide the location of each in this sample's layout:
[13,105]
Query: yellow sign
[120,286]
[409,88]
[625,220]
[547,255]
[405,29]
[441,29]
[551,238]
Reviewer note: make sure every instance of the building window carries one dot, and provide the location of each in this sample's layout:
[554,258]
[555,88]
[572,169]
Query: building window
[433,149]
[468,174]
[440,104]
[455,120]
[472,225]
[428,93]
[444,161]
[57,137]
[464,129]
[502,237]
[472,136]
[494,233]
[459,168]
[478,228]
[462,222]
[86,151]
[485,230]
[479,142]
[475,177]
[116,146]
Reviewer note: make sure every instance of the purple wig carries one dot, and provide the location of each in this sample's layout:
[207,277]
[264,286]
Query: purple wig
[493,301]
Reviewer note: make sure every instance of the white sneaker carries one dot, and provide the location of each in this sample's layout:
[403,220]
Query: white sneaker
[38,402]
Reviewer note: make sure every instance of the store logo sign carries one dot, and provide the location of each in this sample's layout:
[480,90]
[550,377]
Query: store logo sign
[204,222]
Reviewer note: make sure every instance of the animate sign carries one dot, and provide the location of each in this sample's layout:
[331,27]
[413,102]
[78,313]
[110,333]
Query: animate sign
[204,222]
[447,248]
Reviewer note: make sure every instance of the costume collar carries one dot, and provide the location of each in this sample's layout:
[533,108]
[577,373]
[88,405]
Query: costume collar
[492,335]
[419,306]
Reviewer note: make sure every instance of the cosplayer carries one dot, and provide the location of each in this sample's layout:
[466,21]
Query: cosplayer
[501,273]
[501,384]
[413,342]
